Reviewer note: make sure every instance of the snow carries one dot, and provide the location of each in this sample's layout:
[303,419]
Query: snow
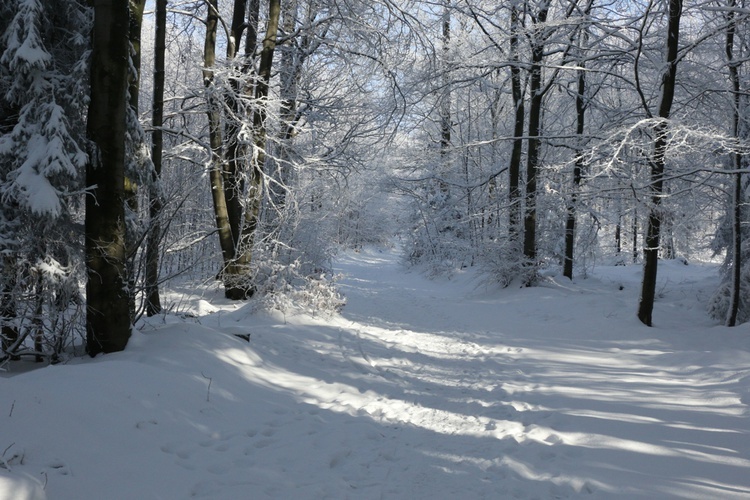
[418,389]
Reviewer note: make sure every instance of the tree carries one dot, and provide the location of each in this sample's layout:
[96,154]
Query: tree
[514,168]
[242,286]
[236,188]
[107,309]
[216,168]
[581,105]
[658,163]
[538,36]
[729,304]
[153,301]
[734,78]
[41,158]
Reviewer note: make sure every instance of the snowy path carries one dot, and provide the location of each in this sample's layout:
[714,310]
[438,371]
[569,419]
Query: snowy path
[530,399]
[418,390]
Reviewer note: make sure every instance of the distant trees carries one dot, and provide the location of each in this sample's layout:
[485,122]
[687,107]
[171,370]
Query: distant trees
[731,302]
[584,91]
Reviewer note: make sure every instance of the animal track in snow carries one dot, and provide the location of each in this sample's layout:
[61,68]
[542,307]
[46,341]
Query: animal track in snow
[145,424]
[59,467]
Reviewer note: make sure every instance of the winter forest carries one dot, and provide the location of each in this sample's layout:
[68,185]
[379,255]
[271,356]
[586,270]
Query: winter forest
[451,248]
[246,140]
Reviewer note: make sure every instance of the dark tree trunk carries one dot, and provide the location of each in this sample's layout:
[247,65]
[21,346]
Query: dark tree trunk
[37,320]
[570,224]
[153,301]
[734,303]
[658,162]
[445,98]
[132,239]
[107,312]
[618,236]
[8,314]
[255,194]
[514,169]
[534,139]
[234,185]
[635,237]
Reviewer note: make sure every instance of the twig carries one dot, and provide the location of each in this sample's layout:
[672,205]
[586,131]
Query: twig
[208,391]
[13,405]
[4,463]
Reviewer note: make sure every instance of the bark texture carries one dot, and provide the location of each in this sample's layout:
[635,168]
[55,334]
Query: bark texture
[107,312]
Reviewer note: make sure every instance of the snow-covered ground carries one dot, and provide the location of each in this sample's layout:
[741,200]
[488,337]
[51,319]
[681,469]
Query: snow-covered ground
[419,389]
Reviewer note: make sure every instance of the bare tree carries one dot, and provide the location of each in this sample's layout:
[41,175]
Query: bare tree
[733,66]
[153,301]
[658,163]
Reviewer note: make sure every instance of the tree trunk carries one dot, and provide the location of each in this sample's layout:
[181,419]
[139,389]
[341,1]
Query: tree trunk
[255,191]
[251,40]
[445,97]
[153,301]
[514,169]
[37,320]
[534,140]
[107,312]
[289,75]
[570,223]
[234,185]
[618,236]
[8,314]
[216,169]
[132,238]
[734,302]
[635,236]
[658,162]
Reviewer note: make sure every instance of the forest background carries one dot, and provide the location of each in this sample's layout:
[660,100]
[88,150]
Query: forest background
[246,141]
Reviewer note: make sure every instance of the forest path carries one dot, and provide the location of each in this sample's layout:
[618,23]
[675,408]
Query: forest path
[557,384]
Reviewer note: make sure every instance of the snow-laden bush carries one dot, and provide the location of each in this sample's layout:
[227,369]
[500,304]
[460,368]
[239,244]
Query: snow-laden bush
[718,305]
[283,288]
[291,268]
[439,237]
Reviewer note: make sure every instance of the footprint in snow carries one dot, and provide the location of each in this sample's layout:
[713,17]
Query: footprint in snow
[59,467]
[176,449]
[264,443]
[144,424]
[338,458]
